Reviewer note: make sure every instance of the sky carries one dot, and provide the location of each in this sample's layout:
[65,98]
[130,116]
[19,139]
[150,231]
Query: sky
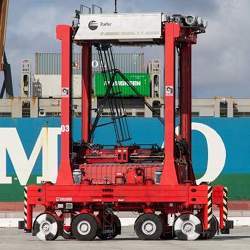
[221,59]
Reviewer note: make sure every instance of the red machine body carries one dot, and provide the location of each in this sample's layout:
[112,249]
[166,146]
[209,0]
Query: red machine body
[129,178]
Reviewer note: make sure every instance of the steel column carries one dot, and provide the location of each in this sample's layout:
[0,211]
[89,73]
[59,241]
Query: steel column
[186,92]
[169,177]
[86,91]
[205,218]
[64,33]
[28,226]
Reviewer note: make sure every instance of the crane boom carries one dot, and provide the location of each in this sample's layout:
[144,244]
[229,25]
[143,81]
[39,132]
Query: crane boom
[3,21]
[4,65]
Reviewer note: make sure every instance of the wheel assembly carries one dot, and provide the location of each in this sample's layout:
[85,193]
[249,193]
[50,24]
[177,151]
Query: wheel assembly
[66,234]
[167,232]
[148,227]
[84,227]
[187,227]
[65,231]
[46,227]
[211,232]
[110,227]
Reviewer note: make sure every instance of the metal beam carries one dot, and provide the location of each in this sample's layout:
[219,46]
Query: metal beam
[64,33]
[169,176]
[86,91]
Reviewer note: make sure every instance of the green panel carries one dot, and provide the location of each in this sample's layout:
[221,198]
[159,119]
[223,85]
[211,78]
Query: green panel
[141,81]
[238,185]
[14,192]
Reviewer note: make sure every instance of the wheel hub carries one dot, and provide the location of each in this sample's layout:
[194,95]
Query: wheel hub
[148,227]
[45,227]
[84,227]
[188,227]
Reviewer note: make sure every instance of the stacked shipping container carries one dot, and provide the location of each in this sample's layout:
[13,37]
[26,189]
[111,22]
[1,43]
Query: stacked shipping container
[48,70]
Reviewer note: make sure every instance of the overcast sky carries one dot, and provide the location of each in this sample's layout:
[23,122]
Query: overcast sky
[221,59]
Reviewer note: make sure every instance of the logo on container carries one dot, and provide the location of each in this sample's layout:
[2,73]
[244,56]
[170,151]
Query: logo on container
[93,25]
[46,145]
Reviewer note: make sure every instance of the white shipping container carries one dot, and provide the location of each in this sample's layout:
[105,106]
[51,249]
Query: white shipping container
[50,63]
[51,85]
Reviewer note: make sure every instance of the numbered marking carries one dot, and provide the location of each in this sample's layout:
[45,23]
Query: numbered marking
[65,128]
[65,92]
[169,91]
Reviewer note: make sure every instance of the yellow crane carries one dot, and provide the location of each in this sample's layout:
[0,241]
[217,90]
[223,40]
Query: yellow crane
[4,65]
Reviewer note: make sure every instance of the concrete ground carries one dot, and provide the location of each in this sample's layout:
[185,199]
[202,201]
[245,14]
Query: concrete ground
[19,214]
[11,218]
[12,238]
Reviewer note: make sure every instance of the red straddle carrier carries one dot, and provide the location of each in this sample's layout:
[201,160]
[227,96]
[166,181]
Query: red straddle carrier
[95,182]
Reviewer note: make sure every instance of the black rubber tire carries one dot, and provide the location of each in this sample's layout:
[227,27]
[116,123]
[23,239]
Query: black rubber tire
[103,236]
[117,229]
[41,218]
[155,221]
[211,232]
[167,235]
[67,235]
[91,221]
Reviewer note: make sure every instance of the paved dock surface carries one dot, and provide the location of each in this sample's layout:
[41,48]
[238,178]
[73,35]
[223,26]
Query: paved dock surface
[12,238]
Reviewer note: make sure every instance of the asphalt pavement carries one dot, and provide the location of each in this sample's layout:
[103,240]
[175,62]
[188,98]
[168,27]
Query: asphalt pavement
[12,238]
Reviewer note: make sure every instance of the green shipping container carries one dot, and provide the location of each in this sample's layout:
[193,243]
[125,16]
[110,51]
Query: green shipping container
[141,81]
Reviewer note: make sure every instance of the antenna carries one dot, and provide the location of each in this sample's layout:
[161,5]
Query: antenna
[94,7]
[116,7]
[82,7]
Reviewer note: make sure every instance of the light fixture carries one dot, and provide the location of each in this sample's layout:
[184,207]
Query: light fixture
[190,20]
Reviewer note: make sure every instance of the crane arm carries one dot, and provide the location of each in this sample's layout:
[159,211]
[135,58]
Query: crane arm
[3,21]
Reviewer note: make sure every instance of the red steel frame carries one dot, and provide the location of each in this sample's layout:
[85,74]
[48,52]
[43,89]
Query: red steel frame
[169,177]
[86,91]
[64,33]
[186,92]
[168,196]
